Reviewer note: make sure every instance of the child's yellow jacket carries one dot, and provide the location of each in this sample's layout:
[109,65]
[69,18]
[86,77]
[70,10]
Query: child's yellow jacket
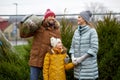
[54,66]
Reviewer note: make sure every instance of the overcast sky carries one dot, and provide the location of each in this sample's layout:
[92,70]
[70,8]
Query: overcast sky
[58,6]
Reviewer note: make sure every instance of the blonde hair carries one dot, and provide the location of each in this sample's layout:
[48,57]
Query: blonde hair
[91,24]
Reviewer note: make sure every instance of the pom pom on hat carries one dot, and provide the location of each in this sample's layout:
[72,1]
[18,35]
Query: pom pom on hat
[49,13]
[54,41]
[86,15]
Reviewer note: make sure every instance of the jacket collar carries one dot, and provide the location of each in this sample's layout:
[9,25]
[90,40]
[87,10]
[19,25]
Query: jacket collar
[57,51]
[48,26]
[83,29]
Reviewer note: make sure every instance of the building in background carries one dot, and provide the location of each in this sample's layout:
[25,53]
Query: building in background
[10,32]
[3,24]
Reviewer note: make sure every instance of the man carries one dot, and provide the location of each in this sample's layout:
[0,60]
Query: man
[41,43]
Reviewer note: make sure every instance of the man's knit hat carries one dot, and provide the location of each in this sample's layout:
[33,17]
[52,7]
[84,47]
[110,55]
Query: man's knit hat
[54,41]
[49,13]
[86,15]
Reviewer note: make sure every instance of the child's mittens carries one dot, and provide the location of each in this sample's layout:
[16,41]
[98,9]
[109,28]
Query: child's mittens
[67,59]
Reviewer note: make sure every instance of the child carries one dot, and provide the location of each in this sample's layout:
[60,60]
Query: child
[55,61]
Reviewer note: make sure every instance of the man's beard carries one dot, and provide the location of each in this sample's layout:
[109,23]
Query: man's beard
[51,24]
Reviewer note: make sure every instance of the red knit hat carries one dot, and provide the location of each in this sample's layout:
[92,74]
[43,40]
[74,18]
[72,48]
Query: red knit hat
[49,13]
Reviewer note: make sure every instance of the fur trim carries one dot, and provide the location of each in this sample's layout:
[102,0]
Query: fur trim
[56,51]
[46,24]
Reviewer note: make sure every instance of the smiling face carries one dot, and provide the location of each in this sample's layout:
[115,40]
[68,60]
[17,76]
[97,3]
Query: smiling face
[51,19]
[59,45]
[81,21]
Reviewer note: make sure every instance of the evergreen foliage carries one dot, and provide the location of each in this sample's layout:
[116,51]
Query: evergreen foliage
[109,48]
[14,64]
[67,31]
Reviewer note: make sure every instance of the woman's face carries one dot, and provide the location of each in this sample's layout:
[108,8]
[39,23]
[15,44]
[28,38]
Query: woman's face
[51,19]
[80,20]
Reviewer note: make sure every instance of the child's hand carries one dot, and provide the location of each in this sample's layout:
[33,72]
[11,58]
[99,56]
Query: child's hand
[67,59]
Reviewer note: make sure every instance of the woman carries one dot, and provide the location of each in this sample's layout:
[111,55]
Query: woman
[84,49]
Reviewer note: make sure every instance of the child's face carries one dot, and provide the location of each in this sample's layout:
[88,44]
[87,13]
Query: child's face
[59,45]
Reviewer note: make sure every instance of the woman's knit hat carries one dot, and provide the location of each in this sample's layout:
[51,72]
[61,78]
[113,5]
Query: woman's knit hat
[86,15]
[54,41]
[49,13]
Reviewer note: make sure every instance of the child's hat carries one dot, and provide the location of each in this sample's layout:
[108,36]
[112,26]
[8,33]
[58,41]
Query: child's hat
[49,13]
[54,41]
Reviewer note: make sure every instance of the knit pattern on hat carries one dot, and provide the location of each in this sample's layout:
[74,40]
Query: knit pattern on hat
[54,41]
[86,15]
[49,13]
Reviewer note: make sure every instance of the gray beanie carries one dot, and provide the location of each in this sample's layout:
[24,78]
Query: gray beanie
[86,15]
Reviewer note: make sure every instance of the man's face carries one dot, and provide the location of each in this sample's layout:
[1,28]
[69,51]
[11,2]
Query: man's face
[51,19]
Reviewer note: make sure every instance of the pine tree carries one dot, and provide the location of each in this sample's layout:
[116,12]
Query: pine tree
[109,48]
